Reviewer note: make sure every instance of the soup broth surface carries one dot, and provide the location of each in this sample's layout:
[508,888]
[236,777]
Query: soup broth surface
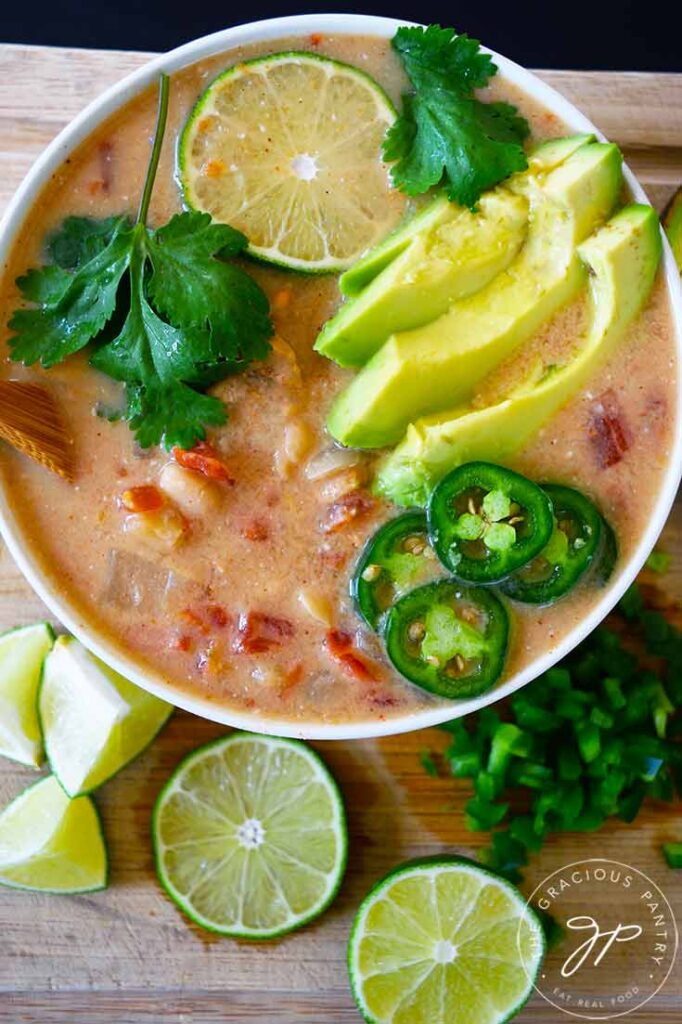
[266,556]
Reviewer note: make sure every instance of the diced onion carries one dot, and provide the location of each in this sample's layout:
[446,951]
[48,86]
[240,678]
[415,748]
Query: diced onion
[330,461]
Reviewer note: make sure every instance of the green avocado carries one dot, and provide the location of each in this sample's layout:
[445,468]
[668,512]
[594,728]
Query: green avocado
[458,253]
[438,366]
[429,216]
[443,253]
[542,159]
[672,222]
[551,154]
[622,259]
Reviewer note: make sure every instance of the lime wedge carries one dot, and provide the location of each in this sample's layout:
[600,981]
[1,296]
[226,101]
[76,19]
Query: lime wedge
[287,149]
[51,843]
[93,720]
[250,836]
[22,653]
[443,941]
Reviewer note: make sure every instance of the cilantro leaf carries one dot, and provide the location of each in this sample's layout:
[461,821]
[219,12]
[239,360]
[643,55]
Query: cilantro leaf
[80,239]
[445,134]
[156,360]
[166,314]
[73,307]
[193,289]
[173,413]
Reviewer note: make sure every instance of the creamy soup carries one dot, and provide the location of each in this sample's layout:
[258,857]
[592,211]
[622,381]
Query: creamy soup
[251,609]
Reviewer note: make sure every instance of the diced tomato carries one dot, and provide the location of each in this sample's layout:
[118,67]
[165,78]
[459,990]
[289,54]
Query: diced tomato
[192,619]
[258,632]
[348,508]
[204,619]
[340,647]
[609,432]
[144,498]
[316,38]
[217,615]
[204,459]
[182,643]
[293,677]
[255,530]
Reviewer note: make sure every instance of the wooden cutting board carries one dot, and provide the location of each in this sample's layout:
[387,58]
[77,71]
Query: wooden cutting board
[127,955]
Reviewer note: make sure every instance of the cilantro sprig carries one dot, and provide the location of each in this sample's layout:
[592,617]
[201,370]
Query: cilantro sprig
[445,134]
[166,314]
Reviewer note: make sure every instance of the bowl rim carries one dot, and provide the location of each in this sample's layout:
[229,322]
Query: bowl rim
[30,563]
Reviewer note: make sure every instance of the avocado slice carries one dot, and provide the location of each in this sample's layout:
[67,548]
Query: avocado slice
[443,253]
[364,270]
[455,255]
[622,259]
[437,366]
[542,159]
[672,222]
[548,155]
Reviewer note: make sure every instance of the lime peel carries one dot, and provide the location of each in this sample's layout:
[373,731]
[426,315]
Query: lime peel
[250,836]
[273,148]
[50,843]
[94,721]
[424,937]
[22,653]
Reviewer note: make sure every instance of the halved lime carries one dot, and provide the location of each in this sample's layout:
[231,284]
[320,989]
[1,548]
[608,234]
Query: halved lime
[287,148]
[250,836]
[51,843]
[443,941]
[22,653]
[93,720]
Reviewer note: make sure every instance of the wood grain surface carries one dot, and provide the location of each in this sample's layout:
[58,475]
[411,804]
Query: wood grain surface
[127,956]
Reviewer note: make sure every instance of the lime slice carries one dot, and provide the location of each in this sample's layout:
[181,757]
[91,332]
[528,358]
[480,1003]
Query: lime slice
[51,843]
[250,836]
[22,653]
[287,148]
[443,941]
[93,720]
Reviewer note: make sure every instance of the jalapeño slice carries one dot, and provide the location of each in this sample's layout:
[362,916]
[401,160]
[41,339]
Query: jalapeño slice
[448,638]
[396,558]
[580,538]
[486,521]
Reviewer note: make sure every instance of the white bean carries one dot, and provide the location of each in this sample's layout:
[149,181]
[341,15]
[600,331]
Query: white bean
[190,491]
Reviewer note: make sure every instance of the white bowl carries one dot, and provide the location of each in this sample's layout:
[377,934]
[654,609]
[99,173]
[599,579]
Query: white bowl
[47,588]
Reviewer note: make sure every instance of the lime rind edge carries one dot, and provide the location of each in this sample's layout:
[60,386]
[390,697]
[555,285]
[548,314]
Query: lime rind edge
[422,865]
[340,828]
[258,253]
[41,755]
[100,834]
[108,778]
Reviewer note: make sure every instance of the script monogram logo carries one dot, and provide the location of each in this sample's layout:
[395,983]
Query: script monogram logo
[613,939]
[579,956]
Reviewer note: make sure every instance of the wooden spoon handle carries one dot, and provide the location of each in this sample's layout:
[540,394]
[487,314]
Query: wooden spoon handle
[31,422]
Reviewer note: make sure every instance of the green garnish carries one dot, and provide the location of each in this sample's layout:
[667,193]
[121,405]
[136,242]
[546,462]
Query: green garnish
[486,525]
[428,763]
[589,739]
[659,561]
[673,854]
[168,316]
[444,133]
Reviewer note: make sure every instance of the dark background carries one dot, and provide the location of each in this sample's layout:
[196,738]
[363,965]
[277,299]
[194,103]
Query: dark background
[645,35]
